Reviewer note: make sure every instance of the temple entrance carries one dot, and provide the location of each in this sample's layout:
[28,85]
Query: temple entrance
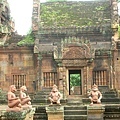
[75,82]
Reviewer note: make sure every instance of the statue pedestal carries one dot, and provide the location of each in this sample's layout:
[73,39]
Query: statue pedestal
[54,112]
[22,115]
[95,112]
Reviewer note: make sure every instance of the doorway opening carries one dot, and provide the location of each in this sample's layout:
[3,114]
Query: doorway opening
[75,82]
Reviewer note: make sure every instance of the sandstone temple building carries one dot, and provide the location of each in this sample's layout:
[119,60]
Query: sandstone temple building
[75,44]
[77,40]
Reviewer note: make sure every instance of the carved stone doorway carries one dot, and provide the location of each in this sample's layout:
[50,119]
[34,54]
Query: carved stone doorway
[75,82]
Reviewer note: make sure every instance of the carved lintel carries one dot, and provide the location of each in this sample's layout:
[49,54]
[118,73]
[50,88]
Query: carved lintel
[74,63]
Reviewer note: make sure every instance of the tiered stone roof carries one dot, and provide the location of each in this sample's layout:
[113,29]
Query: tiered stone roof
[15,38]
[82,13]
[83,18]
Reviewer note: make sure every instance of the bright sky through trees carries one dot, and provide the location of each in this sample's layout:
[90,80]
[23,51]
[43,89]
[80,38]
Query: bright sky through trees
[21,11]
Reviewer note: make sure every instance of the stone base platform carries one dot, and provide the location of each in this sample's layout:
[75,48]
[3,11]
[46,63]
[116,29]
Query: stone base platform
[54,112]
[95,112]
[21,115]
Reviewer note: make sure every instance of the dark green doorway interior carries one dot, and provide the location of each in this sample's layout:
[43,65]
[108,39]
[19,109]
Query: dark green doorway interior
[75,82]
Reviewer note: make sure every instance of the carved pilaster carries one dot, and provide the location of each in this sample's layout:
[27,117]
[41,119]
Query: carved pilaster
[35,15]
[114,18]
[114,9]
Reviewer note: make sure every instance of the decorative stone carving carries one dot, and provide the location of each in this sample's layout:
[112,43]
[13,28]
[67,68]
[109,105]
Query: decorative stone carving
[95,95]
[113,44]
[14,103]
[75,51]
[54,96]
[115,17]
[74,62]
[25,99]
[35,15]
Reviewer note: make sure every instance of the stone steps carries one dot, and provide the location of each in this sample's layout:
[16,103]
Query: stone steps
[112,112]
[75,113]
[41,97]
[75,117]
[74,102]
[110,100]
[109,95]
[103,101]
[76,108]
[40,113]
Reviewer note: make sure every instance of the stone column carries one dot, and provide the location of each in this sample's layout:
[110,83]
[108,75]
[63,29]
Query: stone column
[54,112]
[95,112]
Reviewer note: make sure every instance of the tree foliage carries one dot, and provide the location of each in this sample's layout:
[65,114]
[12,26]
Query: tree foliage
[28,40]
[75,80]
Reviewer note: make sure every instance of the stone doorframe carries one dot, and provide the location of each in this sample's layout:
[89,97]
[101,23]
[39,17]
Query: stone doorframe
[68,80]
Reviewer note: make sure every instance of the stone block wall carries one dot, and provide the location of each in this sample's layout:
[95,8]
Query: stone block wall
[17,67]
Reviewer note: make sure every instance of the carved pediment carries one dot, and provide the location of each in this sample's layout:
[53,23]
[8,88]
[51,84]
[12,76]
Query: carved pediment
[76,48]
[76,52]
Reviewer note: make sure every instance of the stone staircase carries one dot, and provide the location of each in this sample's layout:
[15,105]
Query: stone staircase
[110,96]
[75,112]
[41,97]
[40,100]
[40,113]
[74,102]
[112,112]
[75,108]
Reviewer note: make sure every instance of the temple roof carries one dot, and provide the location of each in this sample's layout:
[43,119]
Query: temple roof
[75,13]
[83,19]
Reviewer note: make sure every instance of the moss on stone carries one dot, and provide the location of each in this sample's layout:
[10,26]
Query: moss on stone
[15,115]
[28,40]
[82,13]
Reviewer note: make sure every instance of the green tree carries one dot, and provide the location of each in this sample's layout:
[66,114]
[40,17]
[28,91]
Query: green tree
[28,40]
[75,80]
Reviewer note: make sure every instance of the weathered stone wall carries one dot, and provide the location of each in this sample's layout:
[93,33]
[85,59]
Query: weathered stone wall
[17,61]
